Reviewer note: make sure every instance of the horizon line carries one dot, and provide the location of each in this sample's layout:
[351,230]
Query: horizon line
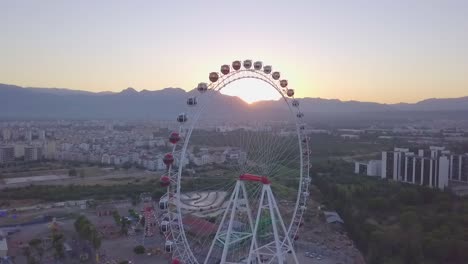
[188,90]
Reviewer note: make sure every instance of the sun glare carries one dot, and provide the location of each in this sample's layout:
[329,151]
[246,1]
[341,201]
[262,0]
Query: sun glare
[251,90]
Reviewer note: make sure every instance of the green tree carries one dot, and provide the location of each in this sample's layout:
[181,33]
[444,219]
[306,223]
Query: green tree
[57,244]
[139,250]
[72,172]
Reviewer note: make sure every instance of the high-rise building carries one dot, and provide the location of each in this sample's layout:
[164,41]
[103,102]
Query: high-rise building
[28,135]
[6,134]
[387,165]
[42,135]
[410,164]
[459,168]
[50,149]
[464,168]
[32,153]
[7,154]
[428,168]
[19,150]
[394,164]
[455,167]
[443,179]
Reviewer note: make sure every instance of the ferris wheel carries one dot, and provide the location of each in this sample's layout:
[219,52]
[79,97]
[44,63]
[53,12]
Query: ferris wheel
[236,190]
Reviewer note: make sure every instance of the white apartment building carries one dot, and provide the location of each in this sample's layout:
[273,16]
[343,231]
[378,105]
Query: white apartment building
[428,167]
[370,168]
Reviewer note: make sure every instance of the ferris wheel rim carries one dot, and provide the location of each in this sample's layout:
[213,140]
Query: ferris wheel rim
[217,86]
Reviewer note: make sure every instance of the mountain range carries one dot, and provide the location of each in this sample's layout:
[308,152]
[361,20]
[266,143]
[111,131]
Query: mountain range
[58,103]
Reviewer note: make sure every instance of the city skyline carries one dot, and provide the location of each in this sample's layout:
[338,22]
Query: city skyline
[386,51]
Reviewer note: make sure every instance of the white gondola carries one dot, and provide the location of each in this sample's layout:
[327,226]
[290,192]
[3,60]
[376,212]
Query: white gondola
[258,65]
[164,226]
[168,246]
[295,103]
[267,69]
[202,87]
[248,64]
[182,117]
[192,101]
[236,65]
[163,204]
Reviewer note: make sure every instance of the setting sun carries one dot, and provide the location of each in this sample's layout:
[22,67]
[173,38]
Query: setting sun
[251,90]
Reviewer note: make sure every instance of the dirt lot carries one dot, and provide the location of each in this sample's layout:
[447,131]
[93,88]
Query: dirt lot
[114,248]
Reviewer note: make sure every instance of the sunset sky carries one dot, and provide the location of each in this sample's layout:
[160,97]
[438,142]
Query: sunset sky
[383,51]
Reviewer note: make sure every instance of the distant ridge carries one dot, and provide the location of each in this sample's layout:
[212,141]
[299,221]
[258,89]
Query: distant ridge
[28,102]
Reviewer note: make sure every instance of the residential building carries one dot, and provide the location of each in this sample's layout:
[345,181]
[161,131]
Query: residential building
[6,134]
[7,154]
[370,168]
[28,135]
[42,135]
[19,150]
[32,153]
[360,168]
[429,168]
[3,245]
[50,149]
[459,168]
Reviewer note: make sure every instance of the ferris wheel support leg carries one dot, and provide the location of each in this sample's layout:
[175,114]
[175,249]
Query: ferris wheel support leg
[287,238]
[257,221]
[231,220]
[279,255]
[218,232]
[249,214]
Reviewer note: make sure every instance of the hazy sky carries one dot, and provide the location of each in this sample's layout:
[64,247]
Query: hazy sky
[385,51]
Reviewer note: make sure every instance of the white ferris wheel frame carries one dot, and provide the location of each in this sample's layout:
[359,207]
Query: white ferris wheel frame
[181,250]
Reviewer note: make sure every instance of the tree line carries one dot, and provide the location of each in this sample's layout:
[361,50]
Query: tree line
[394,223]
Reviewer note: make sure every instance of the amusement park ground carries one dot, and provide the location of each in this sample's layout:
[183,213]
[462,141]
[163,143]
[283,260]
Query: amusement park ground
[328,244]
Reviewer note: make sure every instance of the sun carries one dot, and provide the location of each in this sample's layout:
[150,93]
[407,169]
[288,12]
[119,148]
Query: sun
[251,90]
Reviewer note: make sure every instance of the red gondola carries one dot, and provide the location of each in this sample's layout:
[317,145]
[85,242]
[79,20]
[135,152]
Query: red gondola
[165,181]
[168,159]
[284,83]
[174,137]
[214,76]
[236,65]
[225,69]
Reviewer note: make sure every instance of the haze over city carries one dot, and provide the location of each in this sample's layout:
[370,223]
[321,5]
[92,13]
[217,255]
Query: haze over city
[379,51]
